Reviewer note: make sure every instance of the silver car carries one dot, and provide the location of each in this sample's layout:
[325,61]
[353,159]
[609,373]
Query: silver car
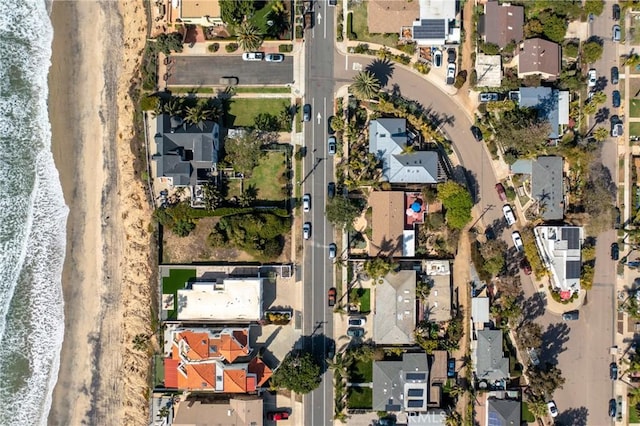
[306,230]
[306,203]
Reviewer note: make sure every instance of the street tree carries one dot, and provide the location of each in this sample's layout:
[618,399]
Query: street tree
[457,202]
[590,108]
[342,211]
[592,51]
[298,373]
[594,7]
[600,134]
[530,334]
[598,98]
[544,380]
[244,152]
[249,37]
[365,85]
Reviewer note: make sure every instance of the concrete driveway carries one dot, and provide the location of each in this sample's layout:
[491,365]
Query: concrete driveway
[207,70]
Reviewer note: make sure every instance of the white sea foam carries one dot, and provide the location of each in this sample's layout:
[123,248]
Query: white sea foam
[32,219]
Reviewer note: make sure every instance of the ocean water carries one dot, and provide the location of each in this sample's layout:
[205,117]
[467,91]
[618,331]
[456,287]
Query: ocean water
[32,219]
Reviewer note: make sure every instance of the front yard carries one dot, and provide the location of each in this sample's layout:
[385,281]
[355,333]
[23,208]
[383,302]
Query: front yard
[268,177]
[361,28]
[634,129]
[177,279]
[242,111]
[360,398]
[361,372]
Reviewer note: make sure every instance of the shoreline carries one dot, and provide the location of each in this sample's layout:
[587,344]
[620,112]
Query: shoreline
[106,276]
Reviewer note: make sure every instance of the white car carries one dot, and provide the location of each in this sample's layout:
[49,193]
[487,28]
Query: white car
[517,240]
[553,410]
[451,73]
[252,56]
[593,77]
[508,215]
[274,57]
[306,203]
[437,58]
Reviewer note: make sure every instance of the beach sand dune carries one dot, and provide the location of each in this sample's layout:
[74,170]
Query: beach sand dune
[107,275]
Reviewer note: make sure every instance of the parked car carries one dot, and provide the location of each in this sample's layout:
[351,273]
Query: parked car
[333,250]
[306,112]
[331,145]
[488,97]
[451,56]
[613,371]
[331,190]
[306,230]
[508,214]
[277,415]
[612,408]
[553,410]
[331,296]
[616,218]
[615,251]
[616,12]
[274,57]
[617,128]
[451,73]
[592,77]
[252,56]
[355,332]
[331,349]
[615,99]
[333,2]
[526,266]
[615,75]
[357,321]
[329,126]
[517,240]
[617,34]
[571,316]
[306,203]
[476,132]
[228,81]
[437,58]
[501,192]
[451,368]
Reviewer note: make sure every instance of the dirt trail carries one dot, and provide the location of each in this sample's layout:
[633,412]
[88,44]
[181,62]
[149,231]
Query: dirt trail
[461,279]
[466,50]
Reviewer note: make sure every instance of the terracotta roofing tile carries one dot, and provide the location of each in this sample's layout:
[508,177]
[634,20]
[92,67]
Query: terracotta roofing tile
[235,381]
[198,343]
[260,369]
[171,373]
[200,376]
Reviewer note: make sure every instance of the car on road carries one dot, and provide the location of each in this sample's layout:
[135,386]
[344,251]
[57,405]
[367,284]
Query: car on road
[355,332]
[252,56]
[306,203]
[451,56]
[507,211]
[615,75]
[306,112]
[331,296]
[571,316]
[553,410]
[476,132]
[526,266]
[616,218]
[451,73]
[228,81]
[333,250]
[501,192]
[613,371]
[592,77]
[331,145]
[329,125]
[616,12]
[333,2]
[451,368]
[306,230]
[331,190]
[277,415]
[274,57]
[517,240]
[617,128]
[488,97]
[615,251]
[613,408]
[616,33]
[615,99]
[437,58]
[357,321]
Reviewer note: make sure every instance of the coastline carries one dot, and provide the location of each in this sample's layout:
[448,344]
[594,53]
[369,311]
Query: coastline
[106,276]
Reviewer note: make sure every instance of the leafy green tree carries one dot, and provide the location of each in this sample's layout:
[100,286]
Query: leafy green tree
[555,28]
[379,266]
[594,7]
[533,28]
[530,334]
[522,124]
[538,407]
[298,373]
[591,51]
[167,43]
[342,211]
[457,202]
[244,152]
[211,196]
[234,11]
[544,380]
[571,50]
[365,85]
[183,227]
[266,122]
[598,198]
[248,36]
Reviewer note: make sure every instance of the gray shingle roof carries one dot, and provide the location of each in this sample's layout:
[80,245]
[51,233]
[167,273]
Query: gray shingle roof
[491,364]
[545,101]
[504,412]
[395,309]
[401,385]
[547,186]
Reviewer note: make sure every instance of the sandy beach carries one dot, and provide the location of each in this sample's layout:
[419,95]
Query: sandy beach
[107,272]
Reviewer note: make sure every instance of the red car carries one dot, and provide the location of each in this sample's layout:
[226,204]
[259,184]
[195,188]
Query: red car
[332,296]
[277,415]
[526,266]
[501,193]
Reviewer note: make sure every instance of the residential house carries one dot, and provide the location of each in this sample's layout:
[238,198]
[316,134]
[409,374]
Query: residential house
[389,16]
[239,410]
[492,367]
[437,377]
[489,70]
[560,251]
[186,155]
[501,24]
[401,386]
[437,24]
[388,140]
[196,12]
[503,412]
[394,317]
[539,56]
[227,344]
[547,184]
[437,307]
[480,312]
[552,106]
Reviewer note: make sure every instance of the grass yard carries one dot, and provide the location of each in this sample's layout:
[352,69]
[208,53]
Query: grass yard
[365,301]
[633,415]
[158,370]
[361,372]
[360,28]
[634,129]
[634,107]
[267,176]
[526,414]
[187,90]
[262,90]
[360,398]
[233,188]
[242,111]
[259,18]
[175,281]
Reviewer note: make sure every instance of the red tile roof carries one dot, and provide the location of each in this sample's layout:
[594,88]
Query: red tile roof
[260,369]
[171,373]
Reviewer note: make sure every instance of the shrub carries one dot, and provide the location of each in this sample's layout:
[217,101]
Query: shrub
[408,48]
[231,47]
[422,67]
[148,103]
[339,31]
[182,227]
[350,34]
[461,78]
[473,79]
[285,48]
[299,32]
[403,59]
[510,193]
[361,48]
[490,48]
[213,47]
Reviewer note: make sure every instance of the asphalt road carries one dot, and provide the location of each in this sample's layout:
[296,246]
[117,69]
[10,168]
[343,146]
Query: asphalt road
[319,271]
[207,70]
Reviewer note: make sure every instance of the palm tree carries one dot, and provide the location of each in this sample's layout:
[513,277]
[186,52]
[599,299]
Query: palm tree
[173,106]
[600,134]
[197,115]
[249,37]
[598,98]
[365,85]
[538,408]
[277,19]
[453,419]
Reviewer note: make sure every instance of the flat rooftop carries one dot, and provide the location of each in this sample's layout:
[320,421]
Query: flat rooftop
[225,300]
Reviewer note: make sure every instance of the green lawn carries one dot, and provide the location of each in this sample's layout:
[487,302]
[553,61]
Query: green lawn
[175,281]
[186,90]
[633,415]
[365,301]
[259,16]
[262,90]
[360,28]
[361,372]
[360,398]
[266,177]
[634,129]
[234,188]
[243,111]
[158,365]
[634,107]
[526,414]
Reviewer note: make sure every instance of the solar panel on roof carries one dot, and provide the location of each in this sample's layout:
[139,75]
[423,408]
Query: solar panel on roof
[494,419]
[413,403]
[415,392]
[572,235]
[416,376]
[430,29]
[572,269]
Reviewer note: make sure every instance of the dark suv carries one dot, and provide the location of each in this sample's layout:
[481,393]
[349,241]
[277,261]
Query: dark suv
[616,12]
[615,251]
[615,75]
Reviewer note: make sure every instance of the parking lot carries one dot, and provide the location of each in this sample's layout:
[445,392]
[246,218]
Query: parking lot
[207,71]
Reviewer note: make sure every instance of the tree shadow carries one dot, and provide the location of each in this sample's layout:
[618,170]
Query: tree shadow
[602,115]
[553,340]
[534,307]
[382,69]
[573,417]
[467,178]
